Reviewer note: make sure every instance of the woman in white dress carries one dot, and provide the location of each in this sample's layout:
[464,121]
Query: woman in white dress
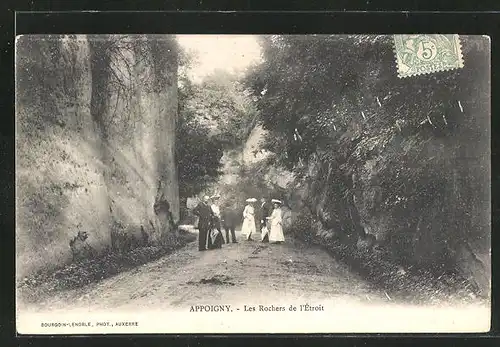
[248,227]
[276,233]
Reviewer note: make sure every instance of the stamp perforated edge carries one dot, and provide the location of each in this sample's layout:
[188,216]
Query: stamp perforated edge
[460,59]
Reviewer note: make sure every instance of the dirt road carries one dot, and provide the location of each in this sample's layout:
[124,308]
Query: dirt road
[248,273]
[266,273]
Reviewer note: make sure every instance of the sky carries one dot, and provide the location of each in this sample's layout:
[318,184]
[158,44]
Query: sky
[232,53]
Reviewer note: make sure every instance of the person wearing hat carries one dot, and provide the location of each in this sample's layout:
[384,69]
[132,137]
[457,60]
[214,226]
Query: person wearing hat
[204,214]
[265,211]
[248,227]
[215,239]
[230,220]
[216,213]
[276,233]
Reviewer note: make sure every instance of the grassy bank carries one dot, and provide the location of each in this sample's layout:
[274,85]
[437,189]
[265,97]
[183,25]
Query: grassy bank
[409,285]
[78,274]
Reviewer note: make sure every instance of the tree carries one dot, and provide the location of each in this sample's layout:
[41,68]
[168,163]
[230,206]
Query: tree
[317,86]
[197,153]
[221,105]
[214,116]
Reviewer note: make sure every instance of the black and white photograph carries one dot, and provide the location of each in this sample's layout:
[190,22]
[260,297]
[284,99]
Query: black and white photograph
[228,184]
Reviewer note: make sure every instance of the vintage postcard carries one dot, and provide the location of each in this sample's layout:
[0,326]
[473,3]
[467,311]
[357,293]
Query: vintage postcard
[226,184]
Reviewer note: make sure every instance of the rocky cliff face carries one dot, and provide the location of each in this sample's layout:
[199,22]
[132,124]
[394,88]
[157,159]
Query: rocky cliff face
[433,218]
[425,200]
[95,144]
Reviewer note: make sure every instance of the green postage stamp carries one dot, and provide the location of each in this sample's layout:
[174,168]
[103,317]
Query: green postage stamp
[425,53]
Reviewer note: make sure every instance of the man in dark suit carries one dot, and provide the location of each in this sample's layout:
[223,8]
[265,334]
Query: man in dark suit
[204,213]
[230,220]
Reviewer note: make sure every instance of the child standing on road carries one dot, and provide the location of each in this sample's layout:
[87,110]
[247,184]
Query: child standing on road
[248,227]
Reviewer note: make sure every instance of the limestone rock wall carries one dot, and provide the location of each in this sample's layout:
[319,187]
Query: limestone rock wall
[95,123]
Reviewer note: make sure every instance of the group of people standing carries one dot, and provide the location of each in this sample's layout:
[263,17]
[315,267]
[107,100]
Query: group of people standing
[271,221]
[211,221]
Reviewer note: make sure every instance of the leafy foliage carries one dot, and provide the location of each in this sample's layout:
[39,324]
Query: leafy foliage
[197,153]
[321,87]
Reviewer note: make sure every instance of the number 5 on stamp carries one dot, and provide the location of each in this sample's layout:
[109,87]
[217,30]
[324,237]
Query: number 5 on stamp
[426,53]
